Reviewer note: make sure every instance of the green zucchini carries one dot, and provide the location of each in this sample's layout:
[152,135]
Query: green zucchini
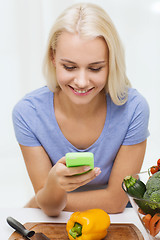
[135,187]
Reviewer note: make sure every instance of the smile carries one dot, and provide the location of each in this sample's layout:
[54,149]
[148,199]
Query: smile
[80,91]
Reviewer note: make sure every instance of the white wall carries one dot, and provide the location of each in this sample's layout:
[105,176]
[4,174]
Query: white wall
[24,26]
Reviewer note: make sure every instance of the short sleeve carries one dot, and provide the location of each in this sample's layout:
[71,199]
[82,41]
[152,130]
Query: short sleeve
[138,127]
[24,122]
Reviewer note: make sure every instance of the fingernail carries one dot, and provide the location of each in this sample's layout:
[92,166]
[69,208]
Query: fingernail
[87,168]
[97,171]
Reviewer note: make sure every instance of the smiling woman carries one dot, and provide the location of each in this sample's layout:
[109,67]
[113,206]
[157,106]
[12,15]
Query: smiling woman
[81,67]
[88,24]
[88,106]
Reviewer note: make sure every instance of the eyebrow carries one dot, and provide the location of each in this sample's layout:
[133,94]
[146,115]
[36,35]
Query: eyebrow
[98,62]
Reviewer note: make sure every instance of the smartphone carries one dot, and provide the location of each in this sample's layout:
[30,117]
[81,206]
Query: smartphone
[77,159]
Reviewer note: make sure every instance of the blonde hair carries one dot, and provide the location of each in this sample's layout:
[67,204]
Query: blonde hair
[90,21]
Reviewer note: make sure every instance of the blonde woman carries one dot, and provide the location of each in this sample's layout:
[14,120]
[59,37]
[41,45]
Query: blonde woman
[88,105]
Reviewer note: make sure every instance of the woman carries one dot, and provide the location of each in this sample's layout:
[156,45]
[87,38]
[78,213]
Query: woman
[87,106]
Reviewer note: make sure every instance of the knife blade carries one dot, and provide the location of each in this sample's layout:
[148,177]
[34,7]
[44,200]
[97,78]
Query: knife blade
[28,234]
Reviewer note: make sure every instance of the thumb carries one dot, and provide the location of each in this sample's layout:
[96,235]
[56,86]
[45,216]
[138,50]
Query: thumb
[62,160]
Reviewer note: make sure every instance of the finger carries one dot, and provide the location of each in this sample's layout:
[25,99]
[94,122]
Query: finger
[84,177]
[69,171]
[61,169]
[77,170]
[72,186]
[73,182]
[62,160]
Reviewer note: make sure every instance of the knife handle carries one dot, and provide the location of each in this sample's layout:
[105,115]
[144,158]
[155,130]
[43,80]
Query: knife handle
[19,227]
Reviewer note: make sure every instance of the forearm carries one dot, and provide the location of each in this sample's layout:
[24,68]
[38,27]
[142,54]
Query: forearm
[51,205]
[102,198]
[51,198]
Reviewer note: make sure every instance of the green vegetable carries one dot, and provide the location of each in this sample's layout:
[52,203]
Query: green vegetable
[153,184]
[147,197]
[153,197]
[152,193]
[135,187]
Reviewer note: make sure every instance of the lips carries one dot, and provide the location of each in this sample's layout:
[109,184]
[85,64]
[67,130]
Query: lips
[78,91]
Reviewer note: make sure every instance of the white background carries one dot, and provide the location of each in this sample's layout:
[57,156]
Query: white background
[24,28]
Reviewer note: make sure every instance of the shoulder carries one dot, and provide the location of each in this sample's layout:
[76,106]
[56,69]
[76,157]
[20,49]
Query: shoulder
[134,101]
[36,104]
[33,100]
[27,114]
[135,97]
[39,95]
[135,108]
[137,115]
[137,102]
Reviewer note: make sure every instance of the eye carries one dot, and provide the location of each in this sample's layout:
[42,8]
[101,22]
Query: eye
[68,68]
[95,69]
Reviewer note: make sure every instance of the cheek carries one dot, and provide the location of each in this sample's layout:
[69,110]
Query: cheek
[101,79]
[105,76]
[62,76]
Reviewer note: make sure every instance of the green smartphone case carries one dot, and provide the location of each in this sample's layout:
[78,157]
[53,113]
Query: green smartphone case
[77,159]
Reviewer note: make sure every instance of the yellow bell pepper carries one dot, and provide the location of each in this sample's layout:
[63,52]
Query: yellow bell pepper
[88,225]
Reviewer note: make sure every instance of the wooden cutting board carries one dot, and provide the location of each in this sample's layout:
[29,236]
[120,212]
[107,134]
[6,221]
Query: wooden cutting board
[57,231]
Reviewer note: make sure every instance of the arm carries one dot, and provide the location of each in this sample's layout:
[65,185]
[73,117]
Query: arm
[112,199]
[51,183]
[48,195]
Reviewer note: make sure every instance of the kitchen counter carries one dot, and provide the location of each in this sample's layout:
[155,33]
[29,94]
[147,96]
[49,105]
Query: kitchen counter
[25,215]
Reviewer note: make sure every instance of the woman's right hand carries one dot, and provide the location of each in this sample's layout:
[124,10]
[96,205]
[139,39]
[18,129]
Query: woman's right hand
[68,179]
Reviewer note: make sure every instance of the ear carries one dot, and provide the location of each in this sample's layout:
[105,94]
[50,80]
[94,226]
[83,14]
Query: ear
[53,55]
[53,61]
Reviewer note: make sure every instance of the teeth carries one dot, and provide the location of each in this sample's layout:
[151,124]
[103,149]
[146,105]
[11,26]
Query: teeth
[79,91]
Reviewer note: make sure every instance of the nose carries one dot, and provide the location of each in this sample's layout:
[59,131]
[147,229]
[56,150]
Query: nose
[81,80]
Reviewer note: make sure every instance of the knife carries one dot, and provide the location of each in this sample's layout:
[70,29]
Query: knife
[28,234]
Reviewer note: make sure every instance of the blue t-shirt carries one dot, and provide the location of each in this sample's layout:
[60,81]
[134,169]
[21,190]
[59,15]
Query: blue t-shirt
[35,125]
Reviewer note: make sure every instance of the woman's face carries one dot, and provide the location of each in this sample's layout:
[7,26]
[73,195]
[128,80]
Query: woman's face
[81,66]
